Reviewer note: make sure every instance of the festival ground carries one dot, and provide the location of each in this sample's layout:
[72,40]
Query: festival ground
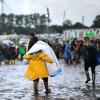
[69,85]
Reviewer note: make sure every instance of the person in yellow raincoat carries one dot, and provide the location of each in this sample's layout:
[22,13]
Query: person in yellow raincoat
[37,68]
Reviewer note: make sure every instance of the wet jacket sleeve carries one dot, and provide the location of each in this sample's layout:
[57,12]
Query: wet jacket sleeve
[26,56]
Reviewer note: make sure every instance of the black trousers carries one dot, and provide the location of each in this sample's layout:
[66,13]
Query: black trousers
[44,79]
[89,65]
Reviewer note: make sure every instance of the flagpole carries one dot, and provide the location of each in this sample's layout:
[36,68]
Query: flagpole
[48,20]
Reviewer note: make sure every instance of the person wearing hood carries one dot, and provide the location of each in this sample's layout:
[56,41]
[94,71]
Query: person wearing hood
[37,67]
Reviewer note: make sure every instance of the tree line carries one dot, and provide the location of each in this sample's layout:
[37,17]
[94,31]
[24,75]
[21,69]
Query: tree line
[26,24]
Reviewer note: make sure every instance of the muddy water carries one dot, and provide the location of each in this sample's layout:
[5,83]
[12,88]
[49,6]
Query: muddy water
[69,85]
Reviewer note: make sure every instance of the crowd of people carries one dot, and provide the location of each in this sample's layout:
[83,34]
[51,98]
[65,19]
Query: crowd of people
[87,48]
[9,53]
[70,51]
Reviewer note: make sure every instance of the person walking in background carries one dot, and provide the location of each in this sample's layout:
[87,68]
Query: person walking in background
[37,67]
[21,51]
[1,54]
[57,48]
[68,53]
[98,51]
[75,48]
[98,45]
[89,56]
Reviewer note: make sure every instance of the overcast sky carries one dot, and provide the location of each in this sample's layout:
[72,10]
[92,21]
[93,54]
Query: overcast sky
[74,9]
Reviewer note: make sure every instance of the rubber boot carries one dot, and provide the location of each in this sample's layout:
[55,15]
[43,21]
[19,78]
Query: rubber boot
[88,77]
[36,87]
[93,79]
[46,87]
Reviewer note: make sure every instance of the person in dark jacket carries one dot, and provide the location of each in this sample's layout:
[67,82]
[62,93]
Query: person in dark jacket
[89,56]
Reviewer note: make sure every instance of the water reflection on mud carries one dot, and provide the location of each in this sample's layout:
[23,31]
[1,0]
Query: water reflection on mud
[69,85]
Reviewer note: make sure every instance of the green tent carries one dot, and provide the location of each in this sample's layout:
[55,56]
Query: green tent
[89,34]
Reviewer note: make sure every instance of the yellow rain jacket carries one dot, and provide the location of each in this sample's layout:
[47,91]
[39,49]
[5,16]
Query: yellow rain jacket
[36,67]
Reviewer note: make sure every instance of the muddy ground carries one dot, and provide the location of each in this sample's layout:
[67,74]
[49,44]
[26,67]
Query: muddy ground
[69,85]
